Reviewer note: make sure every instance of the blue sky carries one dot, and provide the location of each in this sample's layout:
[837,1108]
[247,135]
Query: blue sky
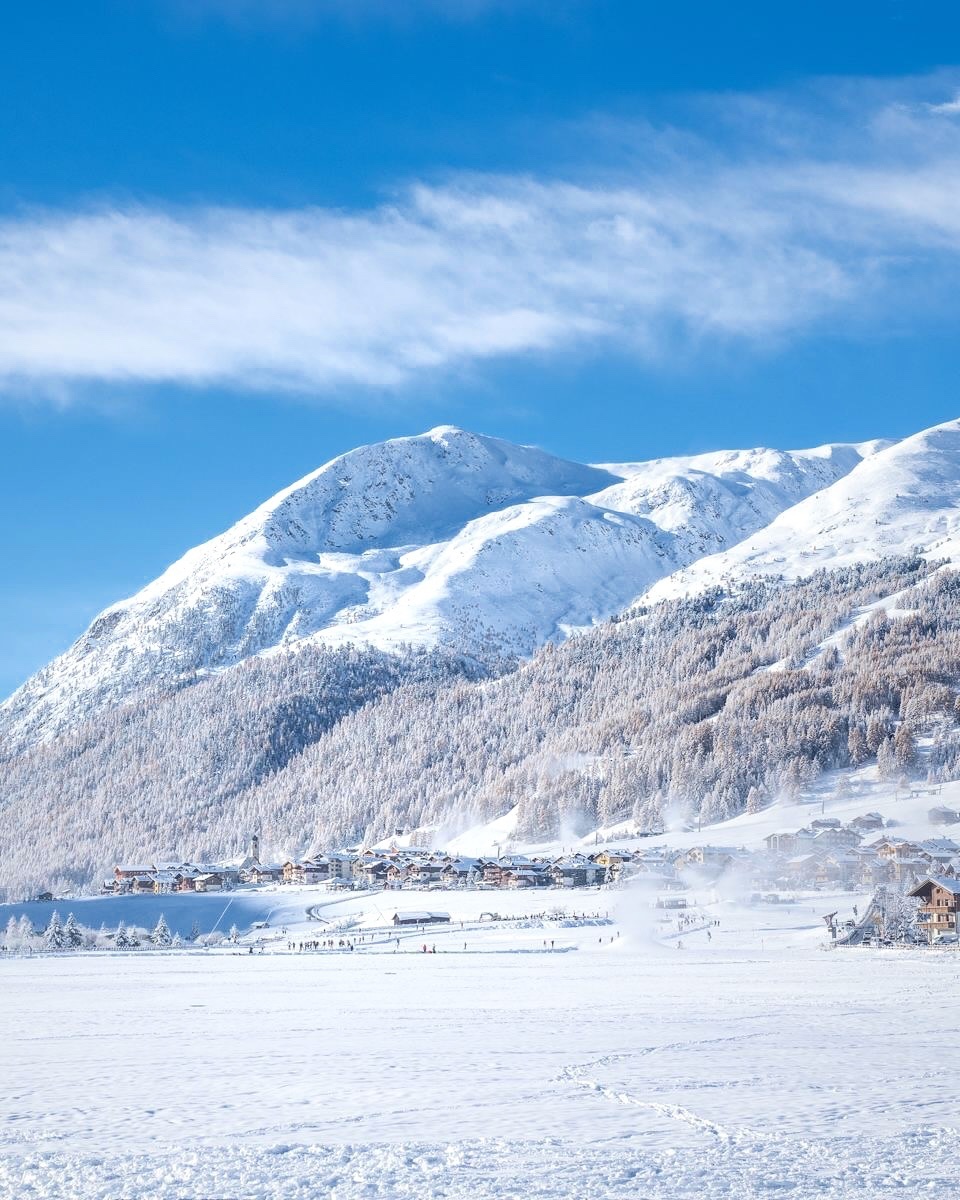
[240,236]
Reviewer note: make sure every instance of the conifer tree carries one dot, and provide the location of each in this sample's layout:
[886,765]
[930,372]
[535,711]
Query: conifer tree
[54,937]
[73,934]
[161,934]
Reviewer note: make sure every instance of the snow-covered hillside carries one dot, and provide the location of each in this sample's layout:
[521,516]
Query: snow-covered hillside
[905,495]
[449,538]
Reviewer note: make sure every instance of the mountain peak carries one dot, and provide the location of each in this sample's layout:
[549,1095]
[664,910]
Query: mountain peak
[446,538]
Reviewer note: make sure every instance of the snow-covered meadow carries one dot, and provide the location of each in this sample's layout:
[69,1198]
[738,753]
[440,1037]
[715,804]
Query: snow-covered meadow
[618,1063]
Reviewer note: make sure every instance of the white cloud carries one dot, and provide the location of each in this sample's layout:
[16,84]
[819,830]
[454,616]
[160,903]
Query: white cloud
[947,108]
[447,275]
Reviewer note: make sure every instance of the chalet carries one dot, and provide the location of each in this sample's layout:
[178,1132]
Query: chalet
[941,815]
[211,881]
[426,872]
[373,870]
[708,858]
[126,874]
[789,844]
[612,859]
[461,870]
[421,918]
[939,901]
[837,868]
[889,848]
[836,838]
[531,875]
[340,864]
[315,870]
[493,871]
[577,871]
[908,871]
[261,873]
[945,847]
[867,823]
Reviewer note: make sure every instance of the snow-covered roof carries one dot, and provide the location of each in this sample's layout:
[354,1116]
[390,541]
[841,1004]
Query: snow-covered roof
[948,885]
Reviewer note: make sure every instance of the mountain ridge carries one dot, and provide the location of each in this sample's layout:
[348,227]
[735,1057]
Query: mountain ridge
[447,538]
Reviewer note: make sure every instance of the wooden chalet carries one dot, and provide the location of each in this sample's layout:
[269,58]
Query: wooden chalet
[939,902]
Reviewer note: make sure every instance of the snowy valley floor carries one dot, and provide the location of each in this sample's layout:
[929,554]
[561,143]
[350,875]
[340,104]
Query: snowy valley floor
[754,1064]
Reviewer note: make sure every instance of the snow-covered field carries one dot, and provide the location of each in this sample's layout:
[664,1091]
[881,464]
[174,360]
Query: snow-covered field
[618,1063]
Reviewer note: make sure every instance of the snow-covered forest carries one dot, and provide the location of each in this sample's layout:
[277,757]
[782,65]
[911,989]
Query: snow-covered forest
[695,707]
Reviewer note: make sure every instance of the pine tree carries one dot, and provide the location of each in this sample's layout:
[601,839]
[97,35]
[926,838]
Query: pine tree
[54,937]
[194,931]
[234,934]
[73,935]
[857,746]
[133,938]
[25,930]
[161,933]
[887,759]
[121,942]
[904,747]
[11,938]
[176,942]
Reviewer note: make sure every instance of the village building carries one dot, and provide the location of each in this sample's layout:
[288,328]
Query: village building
[939,901]
[867,823]
[577,871]
[421,918]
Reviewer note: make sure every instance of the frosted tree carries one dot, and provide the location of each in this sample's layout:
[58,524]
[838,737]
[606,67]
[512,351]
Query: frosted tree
[25,931]
[176,941]
[887,759]
[234,934]
[72,933]
[133,938]
[161,933]
[755,800]
[54,937]
[11,937]
[905,748]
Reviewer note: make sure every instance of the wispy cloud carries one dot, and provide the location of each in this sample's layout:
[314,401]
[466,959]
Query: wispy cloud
[748,248]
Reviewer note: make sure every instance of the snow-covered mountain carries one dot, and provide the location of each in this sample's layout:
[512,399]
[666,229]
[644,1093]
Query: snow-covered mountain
[468,542]
[905,495]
